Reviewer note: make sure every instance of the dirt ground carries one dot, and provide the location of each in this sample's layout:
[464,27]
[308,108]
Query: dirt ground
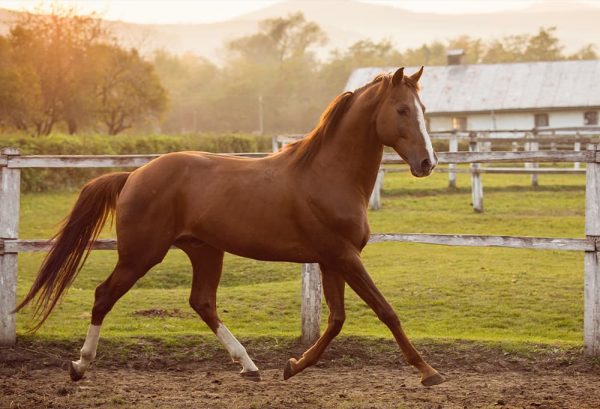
[352,374]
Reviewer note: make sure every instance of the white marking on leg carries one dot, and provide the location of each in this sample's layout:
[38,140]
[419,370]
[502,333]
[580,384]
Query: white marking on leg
[88,351]
[236,350]
[424,133]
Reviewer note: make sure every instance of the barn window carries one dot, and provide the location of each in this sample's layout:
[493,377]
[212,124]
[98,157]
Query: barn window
[590,118]
[459,123]
[541,120]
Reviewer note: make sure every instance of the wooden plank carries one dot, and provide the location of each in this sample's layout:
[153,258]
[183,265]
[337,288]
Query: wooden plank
[591,302]
[516,171]
[591,315]
[109,161]
[311,303]
[472,240]
[502,156]
[96,161]
[375,199]
[508,171]
[29,246]
[542,139]
[476,181]
[577,148]
[469,240]
[8,299]
[10,185]
[452,147]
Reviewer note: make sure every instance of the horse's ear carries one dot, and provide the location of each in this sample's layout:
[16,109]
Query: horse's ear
[416,76]
[398,76]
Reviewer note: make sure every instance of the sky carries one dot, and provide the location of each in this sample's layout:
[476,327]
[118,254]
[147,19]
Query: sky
[207,11]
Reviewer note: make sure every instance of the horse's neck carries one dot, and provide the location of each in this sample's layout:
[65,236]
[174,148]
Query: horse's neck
[352,154]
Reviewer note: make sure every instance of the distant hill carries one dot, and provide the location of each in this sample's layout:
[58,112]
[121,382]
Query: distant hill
[346,21]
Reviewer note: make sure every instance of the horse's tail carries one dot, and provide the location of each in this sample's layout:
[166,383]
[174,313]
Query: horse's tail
[73,243]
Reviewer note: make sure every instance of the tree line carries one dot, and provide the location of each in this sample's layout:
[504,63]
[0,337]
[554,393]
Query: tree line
[66,70]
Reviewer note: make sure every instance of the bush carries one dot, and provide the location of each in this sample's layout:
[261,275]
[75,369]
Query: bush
[38,180]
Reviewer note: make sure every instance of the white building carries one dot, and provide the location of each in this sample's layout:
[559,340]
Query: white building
[504,96]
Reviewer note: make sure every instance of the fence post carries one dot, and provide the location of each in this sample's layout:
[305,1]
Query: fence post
[375,199]
[577,148]
[274,143]
[452,147]
[311,303]
[10,186]
[534,146]
[476,183]
[591,315]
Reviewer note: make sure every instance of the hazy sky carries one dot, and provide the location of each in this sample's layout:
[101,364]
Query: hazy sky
[204,11]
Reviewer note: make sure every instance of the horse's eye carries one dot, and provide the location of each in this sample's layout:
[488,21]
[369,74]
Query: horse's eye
[402,110]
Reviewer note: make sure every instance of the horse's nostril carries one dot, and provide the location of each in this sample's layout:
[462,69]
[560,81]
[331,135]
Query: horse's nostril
[426,165]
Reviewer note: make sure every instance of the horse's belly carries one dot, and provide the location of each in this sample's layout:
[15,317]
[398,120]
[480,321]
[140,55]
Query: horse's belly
[261,245]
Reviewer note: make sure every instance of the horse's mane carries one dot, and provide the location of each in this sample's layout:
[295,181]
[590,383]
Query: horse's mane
[306,148]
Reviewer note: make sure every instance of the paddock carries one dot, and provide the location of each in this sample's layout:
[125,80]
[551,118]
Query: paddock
[311,300]
[541,375]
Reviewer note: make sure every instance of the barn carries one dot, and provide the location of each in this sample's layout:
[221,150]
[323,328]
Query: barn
[481,97]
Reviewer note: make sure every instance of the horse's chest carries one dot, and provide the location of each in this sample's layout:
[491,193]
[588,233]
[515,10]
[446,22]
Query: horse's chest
[352,225]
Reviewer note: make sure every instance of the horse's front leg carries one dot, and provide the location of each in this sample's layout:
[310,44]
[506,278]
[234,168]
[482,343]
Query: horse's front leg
[359,280]
[333,288]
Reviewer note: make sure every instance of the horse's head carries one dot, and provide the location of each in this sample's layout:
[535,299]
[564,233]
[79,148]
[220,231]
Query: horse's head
[400,123]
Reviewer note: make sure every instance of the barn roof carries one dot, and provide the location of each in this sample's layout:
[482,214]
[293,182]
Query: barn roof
[498,87]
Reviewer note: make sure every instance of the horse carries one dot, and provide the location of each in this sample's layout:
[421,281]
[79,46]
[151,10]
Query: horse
[306,203]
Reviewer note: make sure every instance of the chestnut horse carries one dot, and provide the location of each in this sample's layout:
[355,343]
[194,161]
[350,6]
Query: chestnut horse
[306,203]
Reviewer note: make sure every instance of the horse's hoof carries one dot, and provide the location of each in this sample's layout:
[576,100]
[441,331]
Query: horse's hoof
[75,376]
[251,375]
[288,371]
[432,380]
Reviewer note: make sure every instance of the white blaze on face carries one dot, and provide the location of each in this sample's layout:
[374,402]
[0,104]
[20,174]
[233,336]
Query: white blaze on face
[424,133]
[236,350]
[88,351]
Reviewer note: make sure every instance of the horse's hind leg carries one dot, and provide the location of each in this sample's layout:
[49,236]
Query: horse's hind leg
[123,277]
[207,263]
[333,288]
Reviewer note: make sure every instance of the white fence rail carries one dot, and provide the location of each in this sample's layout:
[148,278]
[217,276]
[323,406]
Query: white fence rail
[10,245]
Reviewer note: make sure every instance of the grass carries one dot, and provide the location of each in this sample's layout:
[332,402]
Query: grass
[494,295]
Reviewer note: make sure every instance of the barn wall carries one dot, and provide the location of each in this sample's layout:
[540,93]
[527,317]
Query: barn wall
[509,120]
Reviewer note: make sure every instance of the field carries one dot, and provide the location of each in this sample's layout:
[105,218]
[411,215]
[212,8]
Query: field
[492,305]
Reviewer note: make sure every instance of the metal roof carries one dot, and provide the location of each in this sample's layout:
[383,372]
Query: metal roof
[498,87]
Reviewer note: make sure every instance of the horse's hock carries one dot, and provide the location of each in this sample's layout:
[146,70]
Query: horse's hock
[11,163]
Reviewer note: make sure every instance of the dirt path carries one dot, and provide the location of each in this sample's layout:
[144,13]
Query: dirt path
[352,375]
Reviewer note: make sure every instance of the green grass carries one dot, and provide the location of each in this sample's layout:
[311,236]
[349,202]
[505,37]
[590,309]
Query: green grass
[483,294]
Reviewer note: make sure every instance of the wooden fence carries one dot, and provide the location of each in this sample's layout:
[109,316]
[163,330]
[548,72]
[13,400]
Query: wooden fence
[11,163]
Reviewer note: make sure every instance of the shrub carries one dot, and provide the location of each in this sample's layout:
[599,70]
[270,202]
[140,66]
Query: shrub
[37,180]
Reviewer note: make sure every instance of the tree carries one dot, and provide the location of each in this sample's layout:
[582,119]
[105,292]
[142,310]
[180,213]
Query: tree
[55,48]
[544,46]
[19,91]
[129,91]
[587,52]
[279,39]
